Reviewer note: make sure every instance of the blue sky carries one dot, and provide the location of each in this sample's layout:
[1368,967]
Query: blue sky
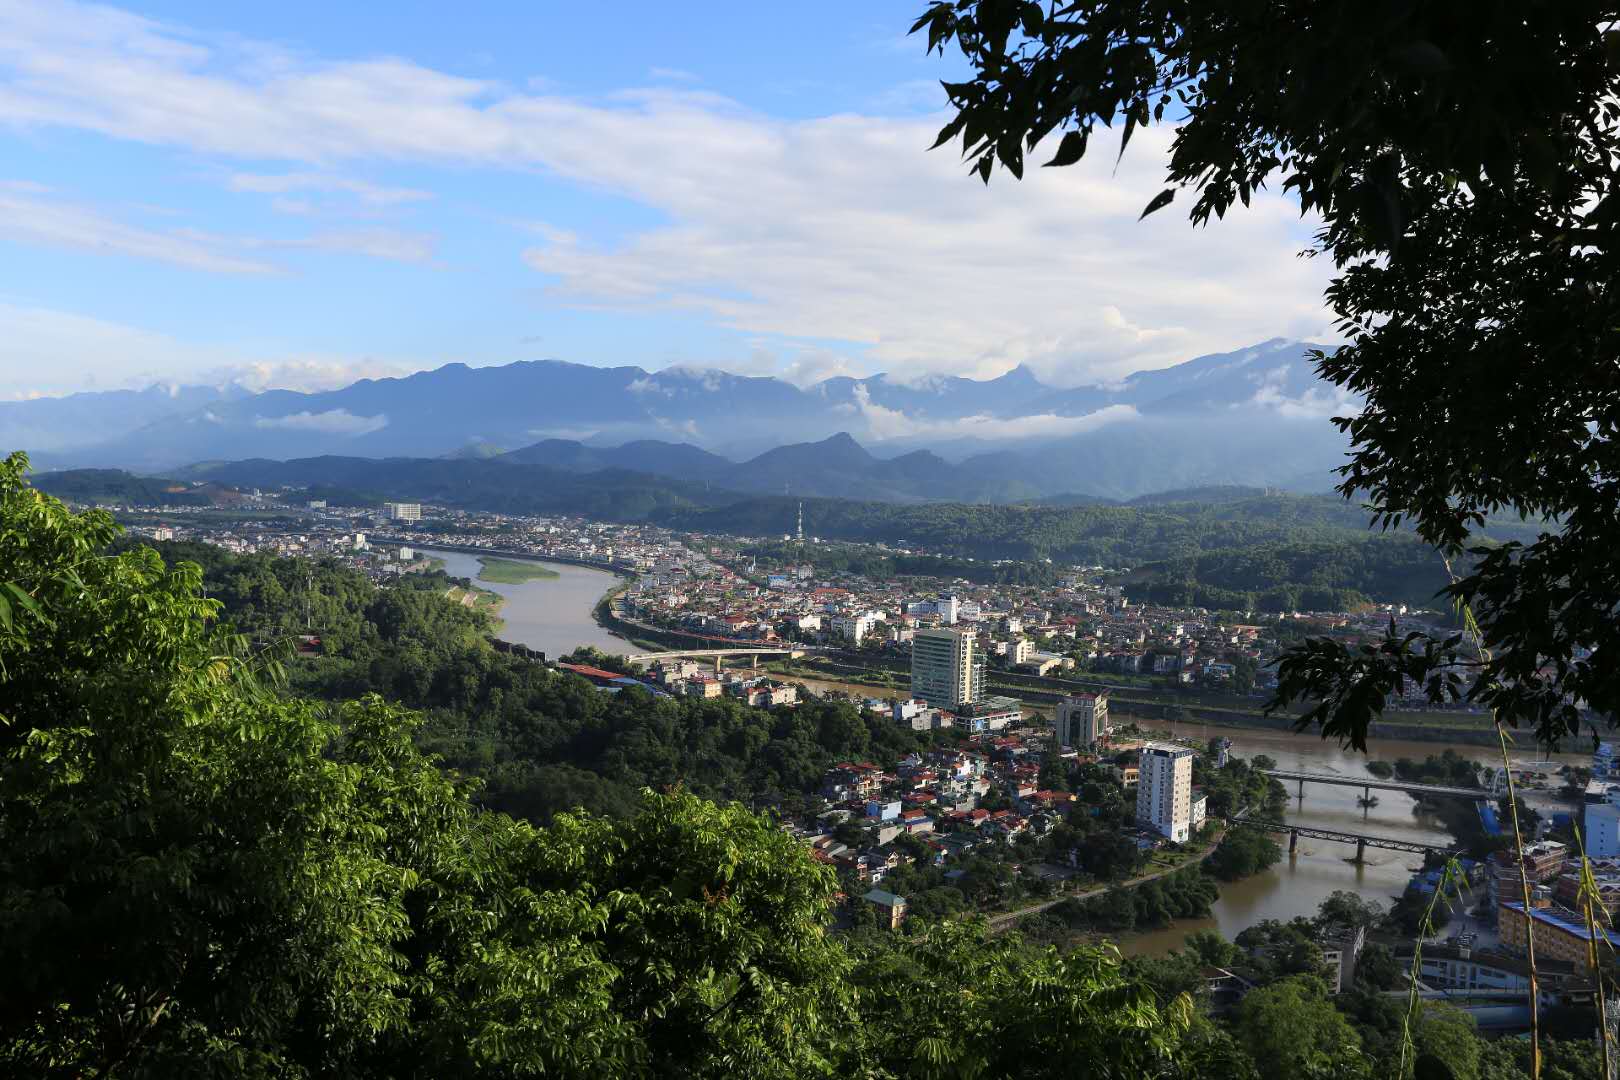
[296,194]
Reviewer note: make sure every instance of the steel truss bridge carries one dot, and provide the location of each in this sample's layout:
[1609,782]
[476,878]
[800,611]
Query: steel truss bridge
[1371,784]
[1361,840]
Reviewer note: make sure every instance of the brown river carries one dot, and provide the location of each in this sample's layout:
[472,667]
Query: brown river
[555,616]
[1299,883]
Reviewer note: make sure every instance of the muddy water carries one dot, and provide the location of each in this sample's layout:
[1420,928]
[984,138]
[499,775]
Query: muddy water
[1298,884]
[552,615]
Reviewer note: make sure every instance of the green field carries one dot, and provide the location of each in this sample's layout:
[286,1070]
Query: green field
[512,572]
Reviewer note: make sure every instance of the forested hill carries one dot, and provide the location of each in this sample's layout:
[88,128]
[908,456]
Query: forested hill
[537,740]
[1107,535]
[1243,551]
[610,495]
[1224,548]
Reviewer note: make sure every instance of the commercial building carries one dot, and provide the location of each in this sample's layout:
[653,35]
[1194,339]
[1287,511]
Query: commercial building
[1082,720]
[1164,790]
[1601,828]
[1561,934]
[949,609]
[403,511]
[1543,861]
[947,669]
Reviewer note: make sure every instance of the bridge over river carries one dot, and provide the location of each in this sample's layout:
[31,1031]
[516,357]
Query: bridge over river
[1369,785]
[1339,836]
[718,654]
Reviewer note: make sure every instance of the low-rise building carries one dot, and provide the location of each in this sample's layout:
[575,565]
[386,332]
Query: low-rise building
[891,909]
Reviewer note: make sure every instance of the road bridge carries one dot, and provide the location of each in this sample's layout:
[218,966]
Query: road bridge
[755,652]
[1369,785]
[1338,836]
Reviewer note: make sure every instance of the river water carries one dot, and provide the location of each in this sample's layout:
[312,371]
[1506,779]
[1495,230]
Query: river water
[1300,882]
[552,615]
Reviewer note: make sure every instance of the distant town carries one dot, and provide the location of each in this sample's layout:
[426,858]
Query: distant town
[766,620]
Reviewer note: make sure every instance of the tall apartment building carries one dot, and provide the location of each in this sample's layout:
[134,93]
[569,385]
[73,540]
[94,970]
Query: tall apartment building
[1601,830]
[403,511]
[949,609]
[1164,790]
[947,668]
[1081,721]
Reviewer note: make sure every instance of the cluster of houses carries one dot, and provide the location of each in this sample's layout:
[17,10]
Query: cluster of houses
[1085,622]
[938,796]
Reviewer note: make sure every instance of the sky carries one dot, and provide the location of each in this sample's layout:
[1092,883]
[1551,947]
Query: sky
[300,194]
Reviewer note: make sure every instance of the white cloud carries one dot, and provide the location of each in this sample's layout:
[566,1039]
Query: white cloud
[884,423]
[803,232]
[53,223]
[1321,402]
[285,183]
[330,422]
[307,374]
[391,244]
[45,352]
[645,385]
[573,434]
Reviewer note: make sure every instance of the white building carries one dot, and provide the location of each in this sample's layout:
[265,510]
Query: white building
[1082,720]
[946,668]
[1164,790]
[406,554]
[1603,761]
[1020,651]
[854,628]
[403,511]
[1600,830]
[949,609]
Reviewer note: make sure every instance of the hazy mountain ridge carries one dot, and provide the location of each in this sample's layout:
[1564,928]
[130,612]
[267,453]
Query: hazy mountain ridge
[1253,417]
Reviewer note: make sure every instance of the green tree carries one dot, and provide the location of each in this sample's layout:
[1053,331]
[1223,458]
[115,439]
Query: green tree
[1378,968]
[1243,852]
[960,1004]
[201,876]
[1347,910]
[1446,1045]
[1460,160]
[1292,1025]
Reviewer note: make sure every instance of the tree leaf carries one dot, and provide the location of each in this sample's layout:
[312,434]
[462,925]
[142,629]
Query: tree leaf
[1069,151]
[1160,201]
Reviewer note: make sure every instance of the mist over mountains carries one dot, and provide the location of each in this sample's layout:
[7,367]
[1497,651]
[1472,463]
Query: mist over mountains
[1256,417]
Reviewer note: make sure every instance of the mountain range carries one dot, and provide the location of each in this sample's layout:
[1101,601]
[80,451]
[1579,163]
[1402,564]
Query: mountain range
[1256,416]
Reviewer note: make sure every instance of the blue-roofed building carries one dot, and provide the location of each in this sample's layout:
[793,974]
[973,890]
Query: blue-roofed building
[1560,933]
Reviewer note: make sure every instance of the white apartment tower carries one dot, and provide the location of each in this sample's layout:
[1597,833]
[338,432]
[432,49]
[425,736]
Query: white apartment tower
[403,511]
[946,668]
[1164,790]
[949,608]
[1082,720]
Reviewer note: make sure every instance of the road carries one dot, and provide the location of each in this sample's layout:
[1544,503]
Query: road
[1006,918]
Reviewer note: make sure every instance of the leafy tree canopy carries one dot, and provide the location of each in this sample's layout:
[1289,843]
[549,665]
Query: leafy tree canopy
[1460,159]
